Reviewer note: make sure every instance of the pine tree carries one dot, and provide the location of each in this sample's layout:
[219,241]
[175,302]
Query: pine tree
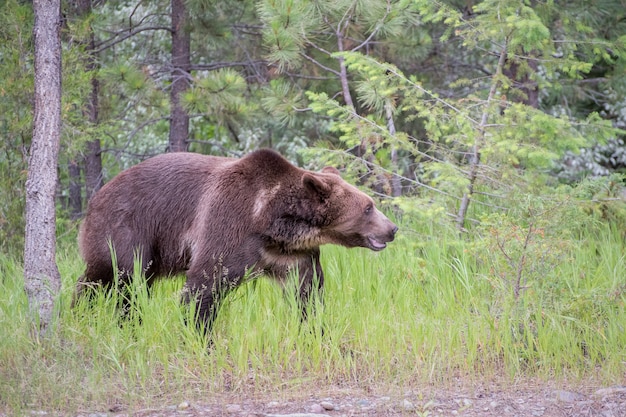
[483,140]
[41,276]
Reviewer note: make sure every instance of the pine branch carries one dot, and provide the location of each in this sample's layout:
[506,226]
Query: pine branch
[120,37]
[219,65]
[371,36]
[319,64]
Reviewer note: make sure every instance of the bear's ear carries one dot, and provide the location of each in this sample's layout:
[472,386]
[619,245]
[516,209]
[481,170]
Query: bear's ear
[316,185]
[331,170]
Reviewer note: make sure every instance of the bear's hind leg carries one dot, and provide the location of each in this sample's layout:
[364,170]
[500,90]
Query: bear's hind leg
[96,275]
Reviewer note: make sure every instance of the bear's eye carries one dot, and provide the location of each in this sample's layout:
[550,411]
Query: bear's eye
[368,209]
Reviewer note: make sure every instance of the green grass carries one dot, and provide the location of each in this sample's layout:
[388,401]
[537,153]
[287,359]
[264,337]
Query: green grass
[428,309]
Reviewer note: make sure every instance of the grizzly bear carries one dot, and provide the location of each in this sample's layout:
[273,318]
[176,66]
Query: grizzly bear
[217,218]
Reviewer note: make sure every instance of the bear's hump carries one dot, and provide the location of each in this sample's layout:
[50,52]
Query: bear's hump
[186,161]
[269,162]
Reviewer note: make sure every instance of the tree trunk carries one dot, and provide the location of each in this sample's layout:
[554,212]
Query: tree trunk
[343,71]
[523,82]
[478,144]
[93,158]
[93,168]
[75,202]
[396,184]
[181,63]
[41,275]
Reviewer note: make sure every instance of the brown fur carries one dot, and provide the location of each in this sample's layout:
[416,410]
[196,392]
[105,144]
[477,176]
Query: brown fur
[215,218]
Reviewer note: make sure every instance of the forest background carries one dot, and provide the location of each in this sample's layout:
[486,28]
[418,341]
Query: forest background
[414,97]
[492,131]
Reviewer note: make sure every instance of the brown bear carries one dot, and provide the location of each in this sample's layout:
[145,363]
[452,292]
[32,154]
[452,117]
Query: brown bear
[217,218]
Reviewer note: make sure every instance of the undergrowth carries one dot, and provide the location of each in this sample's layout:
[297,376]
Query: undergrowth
[516,301]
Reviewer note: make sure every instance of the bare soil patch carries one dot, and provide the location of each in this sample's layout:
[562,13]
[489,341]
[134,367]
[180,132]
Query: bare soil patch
[522,400]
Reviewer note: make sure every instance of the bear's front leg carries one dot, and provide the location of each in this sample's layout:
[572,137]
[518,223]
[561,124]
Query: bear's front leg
[207,304]
[208,291]
[311,281]
[310,276]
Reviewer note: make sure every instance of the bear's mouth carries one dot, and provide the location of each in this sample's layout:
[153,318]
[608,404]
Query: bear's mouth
[375,244]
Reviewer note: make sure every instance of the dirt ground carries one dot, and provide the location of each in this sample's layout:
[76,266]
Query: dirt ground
[523,400]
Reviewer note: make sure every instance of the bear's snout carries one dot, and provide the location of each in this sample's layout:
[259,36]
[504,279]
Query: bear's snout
[392,232]
[387,232]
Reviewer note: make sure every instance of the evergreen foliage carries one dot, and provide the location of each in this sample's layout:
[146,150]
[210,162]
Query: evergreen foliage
[475,140]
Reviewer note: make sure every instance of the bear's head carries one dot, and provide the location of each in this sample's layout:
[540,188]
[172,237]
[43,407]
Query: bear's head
[351,218]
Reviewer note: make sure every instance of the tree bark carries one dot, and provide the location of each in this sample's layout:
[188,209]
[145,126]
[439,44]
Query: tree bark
[93,168]
[523,81]
[181,62]
[41,276]
[76,199]
[343,71]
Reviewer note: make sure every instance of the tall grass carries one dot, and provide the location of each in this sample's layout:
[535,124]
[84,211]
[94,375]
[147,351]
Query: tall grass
[428,309]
